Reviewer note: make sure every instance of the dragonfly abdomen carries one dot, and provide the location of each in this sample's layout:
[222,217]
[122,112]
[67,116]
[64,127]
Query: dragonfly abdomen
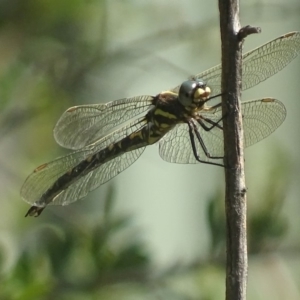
[133,141]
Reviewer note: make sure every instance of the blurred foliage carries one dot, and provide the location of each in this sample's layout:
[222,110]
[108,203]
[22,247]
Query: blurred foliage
[55,262]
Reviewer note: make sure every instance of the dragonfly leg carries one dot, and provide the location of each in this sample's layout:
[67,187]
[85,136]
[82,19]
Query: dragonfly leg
[200,120]
[214,124]
[192,130]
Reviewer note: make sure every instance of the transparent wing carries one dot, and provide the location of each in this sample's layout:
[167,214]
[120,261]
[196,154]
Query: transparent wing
[82,125]
[45,176]
[258,64]
[260,118]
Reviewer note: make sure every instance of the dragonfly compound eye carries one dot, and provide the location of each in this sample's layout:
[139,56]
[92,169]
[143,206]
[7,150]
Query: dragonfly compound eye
[186,92]
[193,91]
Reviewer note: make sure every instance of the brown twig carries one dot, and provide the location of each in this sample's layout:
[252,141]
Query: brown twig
[235,195]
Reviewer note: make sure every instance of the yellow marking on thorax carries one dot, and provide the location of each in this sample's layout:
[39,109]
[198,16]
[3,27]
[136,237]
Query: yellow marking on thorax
[164,125]
[165,114]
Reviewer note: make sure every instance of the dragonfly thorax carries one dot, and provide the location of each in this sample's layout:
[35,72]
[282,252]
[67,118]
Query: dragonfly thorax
[193,92]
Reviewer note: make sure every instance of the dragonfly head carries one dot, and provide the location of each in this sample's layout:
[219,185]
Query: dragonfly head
[193,92]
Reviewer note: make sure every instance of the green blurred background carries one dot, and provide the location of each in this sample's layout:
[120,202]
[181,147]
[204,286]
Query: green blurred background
[157,230]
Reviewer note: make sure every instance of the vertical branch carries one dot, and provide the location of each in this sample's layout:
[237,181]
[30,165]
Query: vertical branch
[235,195]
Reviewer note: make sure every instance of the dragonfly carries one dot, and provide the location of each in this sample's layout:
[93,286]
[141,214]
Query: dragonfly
[108,138]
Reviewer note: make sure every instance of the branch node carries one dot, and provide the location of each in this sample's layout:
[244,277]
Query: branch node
[247,30]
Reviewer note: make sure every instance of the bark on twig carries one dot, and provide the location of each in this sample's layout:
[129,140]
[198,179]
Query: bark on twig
[235,195]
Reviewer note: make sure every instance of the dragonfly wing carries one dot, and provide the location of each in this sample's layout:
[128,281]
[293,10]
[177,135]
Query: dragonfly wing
[176,146]
[258,64]
[97,177]
[265,61]
[46,175]
[82,125]
[260,118]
